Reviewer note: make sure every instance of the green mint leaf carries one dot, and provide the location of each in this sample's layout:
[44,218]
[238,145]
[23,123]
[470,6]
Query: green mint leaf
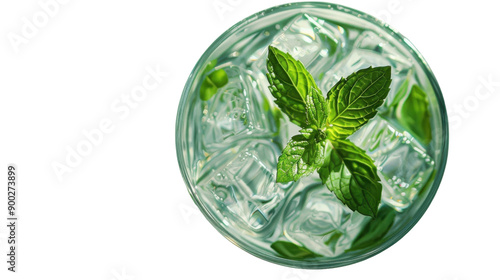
[402,91]
[414,114]
[333,240]
[219,77]
[212,83]
[354,101]
[290,83]
[292,251]
[316,108]
[352,176]
[300,157]
[375,229]
[207,89]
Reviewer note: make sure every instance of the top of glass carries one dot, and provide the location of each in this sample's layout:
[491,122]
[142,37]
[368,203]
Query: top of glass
[304,7]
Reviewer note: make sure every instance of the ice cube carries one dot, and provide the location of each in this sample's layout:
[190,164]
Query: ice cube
[242,183]
[371,41]
[371,50]
[315,42]
[356,60]
[316,219]
[403,164]
[237,111]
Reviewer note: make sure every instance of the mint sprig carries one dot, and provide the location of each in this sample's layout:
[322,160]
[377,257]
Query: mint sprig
[343,167]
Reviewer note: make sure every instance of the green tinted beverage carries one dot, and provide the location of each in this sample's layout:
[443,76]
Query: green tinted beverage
[230,135]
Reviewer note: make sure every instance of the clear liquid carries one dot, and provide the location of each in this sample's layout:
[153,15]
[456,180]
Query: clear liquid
[241,133]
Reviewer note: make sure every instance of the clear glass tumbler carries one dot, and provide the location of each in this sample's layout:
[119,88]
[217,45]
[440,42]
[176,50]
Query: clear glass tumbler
[229,135]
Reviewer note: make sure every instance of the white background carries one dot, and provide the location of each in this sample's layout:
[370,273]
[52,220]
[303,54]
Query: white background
[123,212]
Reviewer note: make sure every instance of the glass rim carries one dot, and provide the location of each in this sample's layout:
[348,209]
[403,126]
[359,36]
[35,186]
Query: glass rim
[336,261]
